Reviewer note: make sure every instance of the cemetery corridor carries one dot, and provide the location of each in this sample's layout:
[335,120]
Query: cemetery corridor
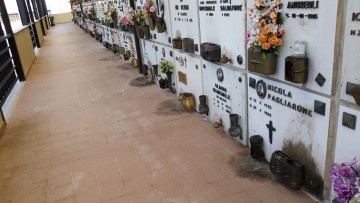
[83,129]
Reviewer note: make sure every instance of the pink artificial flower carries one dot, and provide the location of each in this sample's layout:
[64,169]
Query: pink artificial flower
[152,9]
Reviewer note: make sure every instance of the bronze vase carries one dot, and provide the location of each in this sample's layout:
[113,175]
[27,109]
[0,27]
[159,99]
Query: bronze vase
[131,29]
[151,23]
[160,25]
[256,142]
[146,31]
[287,170]
[203,107]
[235,129]
[177,43]
[256,63]
[188,101]
[139,31]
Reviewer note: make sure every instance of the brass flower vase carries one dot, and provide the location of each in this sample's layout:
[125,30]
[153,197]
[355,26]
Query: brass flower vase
[177,43]
[139,31]
[146,31]
[160,25]
[131,29]
[256,63]
[188,101]
[235,129]
[203,107]
[151,23]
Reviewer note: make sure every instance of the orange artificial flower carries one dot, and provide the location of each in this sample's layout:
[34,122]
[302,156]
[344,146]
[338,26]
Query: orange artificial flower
[278,42]
[265,46]
[273,40]
[267,29]
[262,38]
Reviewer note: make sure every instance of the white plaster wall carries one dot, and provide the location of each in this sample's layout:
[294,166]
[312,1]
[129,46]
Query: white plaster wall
[193,69]
[351,53]
[225,28]
[185,23]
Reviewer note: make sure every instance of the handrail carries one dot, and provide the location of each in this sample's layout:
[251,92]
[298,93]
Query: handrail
[6,63]
[5,37]
[4,50]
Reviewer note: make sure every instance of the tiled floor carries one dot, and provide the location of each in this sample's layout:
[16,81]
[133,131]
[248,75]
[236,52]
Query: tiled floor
[80,133]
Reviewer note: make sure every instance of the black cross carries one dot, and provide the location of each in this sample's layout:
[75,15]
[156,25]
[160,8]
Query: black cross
[271,130]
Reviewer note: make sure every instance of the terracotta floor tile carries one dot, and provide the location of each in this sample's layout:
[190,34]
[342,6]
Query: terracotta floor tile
[80,133]
[60,193]
[60,179]
[123,199]
[146,195]
[265,193]
[234,185]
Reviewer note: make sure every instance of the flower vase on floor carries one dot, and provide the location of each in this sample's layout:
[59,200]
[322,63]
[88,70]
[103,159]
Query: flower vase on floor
[203,107]
[235,129]
[169,79]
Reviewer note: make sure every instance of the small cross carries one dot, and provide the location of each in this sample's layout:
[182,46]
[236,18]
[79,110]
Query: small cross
[271,130]
[185,60]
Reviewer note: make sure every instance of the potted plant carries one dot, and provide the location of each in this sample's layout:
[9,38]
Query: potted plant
[150,12]
[166,68]
[264,36]
[345,178]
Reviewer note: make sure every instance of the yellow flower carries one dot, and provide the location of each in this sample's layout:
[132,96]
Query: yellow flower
[273,14]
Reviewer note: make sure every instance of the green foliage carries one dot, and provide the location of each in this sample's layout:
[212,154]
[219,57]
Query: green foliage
[165,66]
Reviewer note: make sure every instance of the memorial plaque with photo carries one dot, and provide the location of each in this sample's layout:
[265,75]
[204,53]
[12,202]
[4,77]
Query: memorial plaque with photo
[225,89]
[288,122]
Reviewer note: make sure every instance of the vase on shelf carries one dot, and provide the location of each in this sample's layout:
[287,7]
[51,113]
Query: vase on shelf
[260,65]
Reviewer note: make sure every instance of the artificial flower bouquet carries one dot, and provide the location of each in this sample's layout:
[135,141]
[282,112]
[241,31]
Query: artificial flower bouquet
[345,178]
[266,27]
[149,9]
[128,19]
